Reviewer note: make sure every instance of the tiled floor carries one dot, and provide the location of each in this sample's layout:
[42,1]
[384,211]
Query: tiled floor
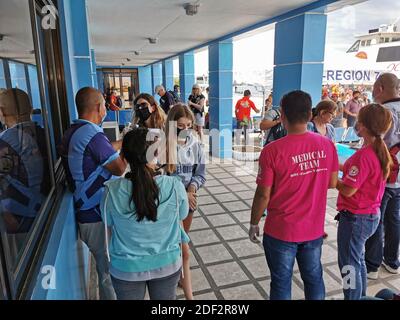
[226,265]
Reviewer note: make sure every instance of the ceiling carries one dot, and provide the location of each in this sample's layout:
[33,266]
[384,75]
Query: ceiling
[15,25]
[120,27]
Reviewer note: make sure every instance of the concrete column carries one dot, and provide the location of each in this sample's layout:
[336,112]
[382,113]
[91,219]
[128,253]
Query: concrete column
[93,69]
[299,54]
[186,74]
[221,79]
[168,74]
[74,31]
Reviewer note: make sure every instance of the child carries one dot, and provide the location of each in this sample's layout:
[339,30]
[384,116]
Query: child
[186,159]
[360,195]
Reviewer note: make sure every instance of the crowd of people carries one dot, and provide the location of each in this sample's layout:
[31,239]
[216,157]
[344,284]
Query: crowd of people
[135,198]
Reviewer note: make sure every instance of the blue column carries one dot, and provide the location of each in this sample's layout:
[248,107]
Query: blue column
[100,79]
[221,79]
[168,74]
[186,74]
[156,70]
[76,48]
[93,69]
[145,80]
[299,54]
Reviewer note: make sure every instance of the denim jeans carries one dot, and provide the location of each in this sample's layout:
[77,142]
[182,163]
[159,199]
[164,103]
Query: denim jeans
[93,235]
[353,232]
[159,289]
[384,244]
[280,259]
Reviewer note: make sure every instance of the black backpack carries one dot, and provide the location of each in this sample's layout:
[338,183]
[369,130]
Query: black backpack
[175,96]
[276,132]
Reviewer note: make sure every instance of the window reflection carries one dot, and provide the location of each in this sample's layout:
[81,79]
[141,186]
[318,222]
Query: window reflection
[24,174]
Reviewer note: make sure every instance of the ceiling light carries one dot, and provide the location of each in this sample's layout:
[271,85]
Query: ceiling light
[129,60]
[1,37]
[137,53]
[153,40]
[191,9]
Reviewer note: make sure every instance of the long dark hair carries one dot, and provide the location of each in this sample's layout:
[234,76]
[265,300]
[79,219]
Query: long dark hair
[145,192]
[377,120]
[157,118]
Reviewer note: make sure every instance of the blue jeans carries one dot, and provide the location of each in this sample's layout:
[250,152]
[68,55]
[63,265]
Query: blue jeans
[353,232]
[280,259]
[159,289]
[384,244]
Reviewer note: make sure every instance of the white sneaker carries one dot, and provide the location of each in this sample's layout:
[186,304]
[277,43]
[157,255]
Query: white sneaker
[390,269]
[373,275]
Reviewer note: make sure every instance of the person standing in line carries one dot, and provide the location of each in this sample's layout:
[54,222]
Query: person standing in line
[352,109]
[185,159]
[383,247]
[360,195]
[337,122]
[166,98]
[196,103]
[144,211]
[294,171]
[147,113]
[243,116]
[90,160]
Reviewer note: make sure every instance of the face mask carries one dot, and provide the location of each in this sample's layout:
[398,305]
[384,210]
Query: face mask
[143,112]
[184,136]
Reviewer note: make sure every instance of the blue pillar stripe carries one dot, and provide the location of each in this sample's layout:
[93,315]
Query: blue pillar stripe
[299,54]
[186,74]
[221,98]
[145,80]
[168,74]
[156,70]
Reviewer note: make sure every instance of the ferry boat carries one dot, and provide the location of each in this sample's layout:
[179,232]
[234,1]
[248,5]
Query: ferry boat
[371,54]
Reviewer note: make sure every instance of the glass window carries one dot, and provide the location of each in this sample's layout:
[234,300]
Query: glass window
[363,43]
[3,83]
[18,75]
[368,43]
[26,175]
[388,54]
[354,47]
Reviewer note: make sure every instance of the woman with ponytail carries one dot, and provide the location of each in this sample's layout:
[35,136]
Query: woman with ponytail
[360,195]
[144,212]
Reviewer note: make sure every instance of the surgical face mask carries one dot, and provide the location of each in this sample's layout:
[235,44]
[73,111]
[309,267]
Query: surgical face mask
[143,112]
[187,134]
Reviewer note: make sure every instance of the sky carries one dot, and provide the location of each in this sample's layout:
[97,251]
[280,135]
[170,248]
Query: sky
[253,55]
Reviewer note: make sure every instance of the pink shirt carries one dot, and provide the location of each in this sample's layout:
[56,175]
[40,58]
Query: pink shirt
[298,168]
[363,171]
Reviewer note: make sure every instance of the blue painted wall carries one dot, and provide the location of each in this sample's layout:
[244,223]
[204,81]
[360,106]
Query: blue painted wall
[221,79]
[186,74]
[299,54]
[3,83]
[168,74]
[76,49]
[156,72]
[145,80]
[34,83]
[68,256]
[93,69]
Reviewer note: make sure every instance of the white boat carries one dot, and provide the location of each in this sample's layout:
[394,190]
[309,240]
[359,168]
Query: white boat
[371,54]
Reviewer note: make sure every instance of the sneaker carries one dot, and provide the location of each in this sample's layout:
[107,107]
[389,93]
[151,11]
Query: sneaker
[390,269]
[373,275]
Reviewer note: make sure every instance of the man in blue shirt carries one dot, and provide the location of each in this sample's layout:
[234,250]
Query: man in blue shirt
[90,160]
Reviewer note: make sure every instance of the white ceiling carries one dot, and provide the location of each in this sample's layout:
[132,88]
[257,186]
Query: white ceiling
[15,25]
[120,27]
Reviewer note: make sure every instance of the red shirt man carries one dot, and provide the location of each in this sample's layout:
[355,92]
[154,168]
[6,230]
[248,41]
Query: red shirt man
[244,106]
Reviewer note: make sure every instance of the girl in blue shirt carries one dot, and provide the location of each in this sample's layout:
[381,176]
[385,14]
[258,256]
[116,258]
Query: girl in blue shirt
[144,212]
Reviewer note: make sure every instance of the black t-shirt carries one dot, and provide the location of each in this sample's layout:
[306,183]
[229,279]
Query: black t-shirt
[196,100]
[166,101]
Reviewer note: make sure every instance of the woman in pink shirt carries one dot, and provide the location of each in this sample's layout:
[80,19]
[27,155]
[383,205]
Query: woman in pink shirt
[360,195]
